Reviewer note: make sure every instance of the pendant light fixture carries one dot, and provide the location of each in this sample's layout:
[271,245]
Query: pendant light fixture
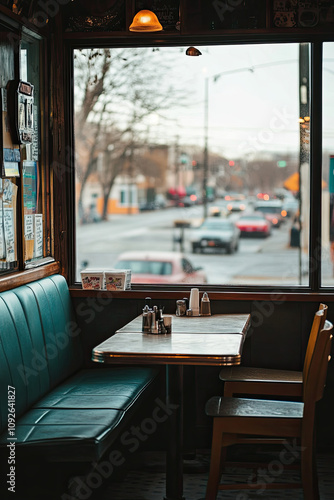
[145,21]
[192,51]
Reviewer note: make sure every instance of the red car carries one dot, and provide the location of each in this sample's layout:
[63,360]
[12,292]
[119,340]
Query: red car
[160,267]
[254,224]
[272,210]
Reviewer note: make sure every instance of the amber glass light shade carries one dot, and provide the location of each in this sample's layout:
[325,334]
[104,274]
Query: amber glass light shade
[145,20]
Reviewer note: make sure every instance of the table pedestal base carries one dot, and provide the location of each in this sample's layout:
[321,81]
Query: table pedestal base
[174,458]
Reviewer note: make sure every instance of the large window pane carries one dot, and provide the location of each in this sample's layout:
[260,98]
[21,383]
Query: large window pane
[328,167]
[205,156]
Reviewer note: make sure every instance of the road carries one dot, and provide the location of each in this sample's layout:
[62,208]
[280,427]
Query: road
[267,261]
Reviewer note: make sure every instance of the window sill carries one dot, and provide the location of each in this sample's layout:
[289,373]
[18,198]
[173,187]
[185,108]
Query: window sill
[18,278]
[271,295]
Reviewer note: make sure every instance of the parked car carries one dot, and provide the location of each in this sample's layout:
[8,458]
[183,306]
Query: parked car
[215,233]
[147,205]
[254,224]
[160,267]
[272,210]
[219,209]
[235,197]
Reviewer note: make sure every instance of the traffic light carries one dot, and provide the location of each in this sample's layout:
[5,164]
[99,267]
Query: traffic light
[231,163]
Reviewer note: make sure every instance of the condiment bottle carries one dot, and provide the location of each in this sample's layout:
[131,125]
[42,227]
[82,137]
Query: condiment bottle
[181,307]
[205,305]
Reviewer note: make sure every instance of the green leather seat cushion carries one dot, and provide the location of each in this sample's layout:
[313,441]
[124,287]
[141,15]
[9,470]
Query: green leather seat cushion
[67,434]
[111,388]
[79,420]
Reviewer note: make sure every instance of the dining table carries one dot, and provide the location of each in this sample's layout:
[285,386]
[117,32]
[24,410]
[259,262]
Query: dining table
[215,340]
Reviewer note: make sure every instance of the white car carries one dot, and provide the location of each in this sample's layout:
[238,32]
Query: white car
[215,233]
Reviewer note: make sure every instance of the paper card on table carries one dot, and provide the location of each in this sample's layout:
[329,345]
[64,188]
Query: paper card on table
[28,227]
[38,228]
[9,229]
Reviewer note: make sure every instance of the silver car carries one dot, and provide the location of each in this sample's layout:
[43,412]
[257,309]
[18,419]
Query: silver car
[215,233]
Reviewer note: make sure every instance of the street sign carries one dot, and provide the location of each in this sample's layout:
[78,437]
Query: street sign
[331,174]
[281,163]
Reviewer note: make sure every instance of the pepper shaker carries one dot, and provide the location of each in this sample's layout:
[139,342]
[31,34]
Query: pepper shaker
[205,305]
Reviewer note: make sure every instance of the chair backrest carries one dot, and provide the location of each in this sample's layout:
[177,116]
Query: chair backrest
[317,371]
[317,325]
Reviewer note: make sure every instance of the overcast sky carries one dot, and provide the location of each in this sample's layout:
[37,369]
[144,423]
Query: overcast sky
[253,102]
[255,109]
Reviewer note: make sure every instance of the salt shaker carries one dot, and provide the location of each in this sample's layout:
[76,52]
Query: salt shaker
[194,301]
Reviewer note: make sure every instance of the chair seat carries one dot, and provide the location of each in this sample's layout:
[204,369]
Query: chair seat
[249,374]
[244,407]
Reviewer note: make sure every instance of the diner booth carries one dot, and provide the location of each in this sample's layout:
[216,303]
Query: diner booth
[67,410]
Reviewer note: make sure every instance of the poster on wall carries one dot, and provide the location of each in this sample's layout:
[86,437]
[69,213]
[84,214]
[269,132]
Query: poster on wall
[2,237]
[35,137]
[9,230]
[10,152]
[30,180]
[38,230]
[9,212]
[28,227]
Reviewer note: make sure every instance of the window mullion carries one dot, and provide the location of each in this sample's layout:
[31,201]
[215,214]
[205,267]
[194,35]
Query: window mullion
[315,166]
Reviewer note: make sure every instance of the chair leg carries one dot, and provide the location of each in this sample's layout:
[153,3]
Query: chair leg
[215,462]
[309,470]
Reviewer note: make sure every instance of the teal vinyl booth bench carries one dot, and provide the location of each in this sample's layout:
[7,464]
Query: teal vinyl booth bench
[64,413]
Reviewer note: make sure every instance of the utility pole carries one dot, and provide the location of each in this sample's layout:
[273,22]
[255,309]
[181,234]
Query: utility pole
[177,163]
[205,153]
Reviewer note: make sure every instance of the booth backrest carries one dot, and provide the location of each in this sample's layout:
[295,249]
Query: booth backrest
[40,343]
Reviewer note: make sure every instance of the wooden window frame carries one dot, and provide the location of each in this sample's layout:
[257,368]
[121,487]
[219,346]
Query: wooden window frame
[316,64]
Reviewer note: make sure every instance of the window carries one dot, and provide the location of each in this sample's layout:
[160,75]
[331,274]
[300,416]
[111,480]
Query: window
[35,178]
[158,114]
[25,237]
[327,237]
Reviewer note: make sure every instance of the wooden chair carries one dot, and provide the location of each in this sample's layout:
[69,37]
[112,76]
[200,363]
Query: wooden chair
[266,381]
[236,420]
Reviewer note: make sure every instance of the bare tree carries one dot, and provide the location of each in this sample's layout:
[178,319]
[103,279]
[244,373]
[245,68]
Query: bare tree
[116,92]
